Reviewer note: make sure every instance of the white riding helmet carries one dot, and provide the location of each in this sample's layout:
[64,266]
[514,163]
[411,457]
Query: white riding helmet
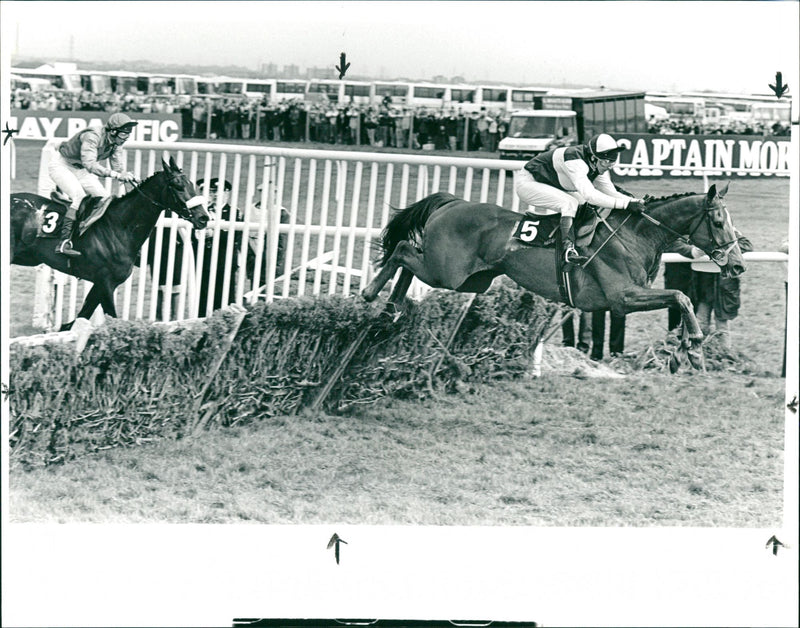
[604,146]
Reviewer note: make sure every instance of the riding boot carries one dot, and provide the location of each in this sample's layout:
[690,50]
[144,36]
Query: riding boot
[571,255]
[724,336]
[65,246]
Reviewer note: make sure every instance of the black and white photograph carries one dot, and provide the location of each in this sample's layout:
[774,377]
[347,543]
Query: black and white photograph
[399,313]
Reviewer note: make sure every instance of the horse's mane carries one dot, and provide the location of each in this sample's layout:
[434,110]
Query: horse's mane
[671,197]
[141,183]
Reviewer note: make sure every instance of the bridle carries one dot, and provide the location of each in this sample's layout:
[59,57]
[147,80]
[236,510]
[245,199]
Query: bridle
[185,205]
[719,254]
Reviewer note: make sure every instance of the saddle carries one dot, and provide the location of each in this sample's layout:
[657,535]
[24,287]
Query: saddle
[541,229]
[91,209]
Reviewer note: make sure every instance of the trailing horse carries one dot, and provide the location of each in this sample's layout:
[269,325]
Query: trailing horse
[451,243]
[110,246]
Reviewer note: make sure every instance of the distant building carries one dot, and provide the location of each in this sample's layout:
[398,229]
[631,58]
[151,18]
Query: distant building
[269,69]
[322,73]
[291,72]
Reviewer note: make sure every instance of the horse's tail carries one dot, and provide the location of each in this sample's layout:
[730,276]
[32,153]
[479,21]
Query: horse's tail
[407,224]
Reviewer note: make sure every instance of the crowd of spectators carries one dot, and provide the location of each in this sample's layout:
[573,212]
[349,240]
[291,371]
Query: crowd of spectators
[240,118]
[327,123]
[718,127]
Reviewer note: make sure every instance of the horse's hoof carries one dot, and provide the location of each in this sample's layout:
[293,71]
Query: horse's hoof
[697,360]
[367,296]
[674,363]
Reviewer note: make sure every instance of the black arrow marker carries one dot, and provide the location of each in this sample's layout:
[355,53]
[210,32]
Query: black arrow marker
[343,65]
[9,133]
[779,88]
[773,540]
[334,542]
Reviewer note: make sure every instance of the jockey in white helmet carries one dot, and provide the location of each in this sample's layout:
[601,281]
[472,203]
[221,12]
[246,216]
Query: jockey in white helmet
[75,167]
[560,180]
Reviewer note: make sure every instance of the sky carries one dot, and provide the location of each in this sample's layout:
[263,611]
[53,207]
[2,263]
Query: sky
[671,46]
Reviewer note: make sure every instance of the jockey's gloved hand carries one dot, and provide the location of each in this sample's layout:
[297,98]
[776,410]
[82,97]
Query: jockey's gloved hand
[636,206]
[127,177]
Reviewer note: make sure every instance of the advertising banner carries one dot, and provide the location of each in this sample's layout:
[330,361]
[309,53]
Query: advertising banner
[43,125]
[683,155]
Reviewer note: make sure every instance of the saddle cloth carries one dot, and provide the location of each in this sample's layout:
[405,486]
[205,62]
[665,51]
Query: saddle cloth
[540,229]
[50,216]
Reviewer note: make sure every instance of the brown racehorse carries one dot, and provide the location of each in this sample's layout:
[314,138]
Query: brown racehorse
[451,243]
[111,245]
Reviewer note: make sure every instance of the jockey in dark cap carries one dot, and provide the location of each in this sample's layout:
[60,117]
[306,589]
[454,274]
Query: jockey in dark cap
[75,168]
[560,180]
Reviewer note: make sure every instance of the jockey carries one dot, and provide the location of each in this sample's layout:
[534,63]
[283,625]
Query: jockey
[560,180]
[75,168]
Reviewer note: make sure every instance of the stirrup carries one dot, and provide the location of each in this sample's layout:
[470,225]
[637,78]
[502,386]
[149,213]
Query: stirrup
[571,256]
[65,248]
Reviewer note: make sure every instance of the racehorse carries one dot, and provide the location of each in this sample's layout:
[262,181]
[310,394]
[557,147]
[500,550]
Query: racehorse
[451,243]
[111,245]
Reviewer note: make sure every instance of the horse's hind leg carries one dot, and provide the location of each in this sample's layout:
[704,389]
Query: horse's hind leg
[402,286]
[101,296]
[405,256]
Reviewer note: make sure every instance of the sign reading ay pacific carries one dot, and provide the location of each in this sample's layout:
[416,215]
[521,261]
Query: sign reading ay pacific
[43,125]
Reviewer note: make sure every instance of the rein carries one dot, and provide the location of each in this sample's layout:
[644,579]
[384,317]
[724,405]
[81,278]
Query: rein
[138,188]
[718,254]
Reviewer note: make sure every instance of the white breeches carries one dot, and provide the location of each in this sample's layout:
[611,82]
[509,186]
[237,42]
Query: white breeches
[545,199]
[74,182]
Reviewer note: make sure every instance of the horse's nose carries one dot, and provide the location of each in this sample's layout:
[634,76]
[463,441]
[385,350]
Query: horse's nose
[736,269]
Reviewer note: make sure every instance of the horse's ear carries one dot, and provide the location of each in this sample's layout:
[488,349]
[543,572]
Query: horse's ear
[712,192]
[724,190]
[172,163]
[164,164]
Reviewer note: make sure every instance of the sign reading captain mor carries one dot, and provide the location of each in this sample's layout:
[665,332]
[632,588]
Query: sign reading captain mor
[654,155]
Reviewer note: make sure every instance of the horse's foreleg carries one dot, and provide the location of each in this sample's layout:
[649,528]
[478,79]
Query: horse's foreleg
[636,299]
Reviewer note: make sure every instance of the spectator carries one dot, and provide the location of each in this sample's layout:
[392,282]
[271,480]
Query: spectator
[354,123]
[384,122]
[199,119]
[244,115]
[717,295]
[482,124]
[451,130]
[493,141]
[584,331]
[230,118]
[616,334]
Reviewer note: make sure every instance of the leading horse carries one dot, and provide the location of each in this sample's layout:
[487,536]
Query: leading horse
[451,243]
[111,245]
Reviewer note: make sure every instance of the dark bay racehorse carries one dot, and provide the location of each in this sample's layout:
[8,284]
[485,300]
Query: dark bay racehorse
[451,243]
[111,245]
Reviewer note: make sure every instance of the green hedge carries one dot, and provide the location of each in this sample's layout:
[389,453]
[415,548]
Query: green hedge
[136,382]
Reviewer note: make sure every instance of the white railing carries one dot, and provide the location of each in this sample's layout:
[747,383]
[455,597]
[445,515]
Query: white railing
[334,205]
